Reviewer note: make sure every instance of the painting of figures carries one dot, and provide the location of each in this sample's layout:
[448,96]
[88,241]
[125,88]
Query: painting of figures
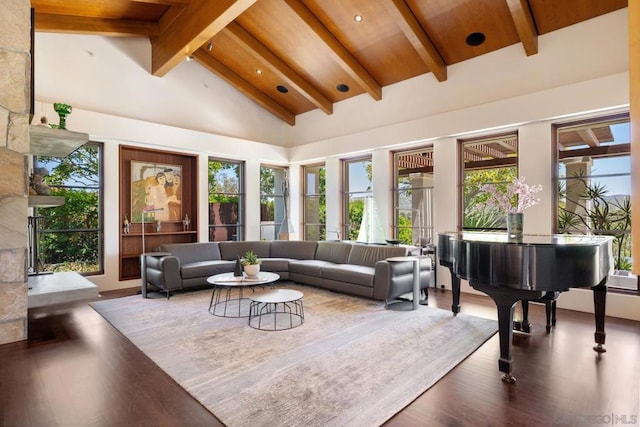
[155,187]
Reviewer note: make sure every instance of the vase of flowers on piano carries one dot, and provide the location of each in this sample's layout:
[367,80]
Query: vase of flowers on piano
[513,199]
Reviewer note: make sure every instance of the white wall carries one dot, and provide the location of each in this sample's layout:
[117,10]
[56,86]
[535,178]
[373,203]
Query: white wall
[502,90]
[111,76]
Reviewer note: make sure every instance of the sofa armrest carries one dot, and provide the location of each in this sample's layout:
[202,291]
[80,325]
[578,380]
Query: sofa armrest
[164,272]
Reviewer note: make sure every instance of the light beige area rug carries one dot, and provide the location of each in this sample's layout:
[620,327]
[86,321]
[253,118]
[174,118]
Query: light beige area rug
[352,363]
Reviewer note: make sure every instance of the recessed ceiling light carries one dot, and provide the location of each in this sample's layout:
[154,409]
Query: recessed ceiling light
[357,18]
[475,39]
[258,71]
[342,88]
[282,89]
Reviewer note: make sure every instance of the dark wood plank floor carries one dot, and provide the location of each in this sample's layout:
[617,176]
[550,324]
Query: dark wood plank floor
[76,370]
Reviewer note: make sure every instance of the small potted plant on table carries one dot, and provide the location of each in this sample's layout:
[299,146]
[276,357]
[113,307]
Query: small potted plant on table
[251,264]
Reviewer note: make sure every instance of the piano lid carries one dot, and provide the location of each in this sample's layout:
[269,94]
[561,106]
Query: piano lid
[537,262]
[527,239]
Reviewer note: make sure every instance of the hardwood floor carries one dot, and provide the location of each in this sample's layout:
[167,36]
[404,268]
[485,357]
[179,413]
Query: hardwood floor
[77,370]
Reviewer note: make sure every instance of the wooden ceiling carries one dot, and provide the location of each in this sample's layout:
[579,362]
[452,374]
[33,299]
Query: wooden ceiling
[293,56]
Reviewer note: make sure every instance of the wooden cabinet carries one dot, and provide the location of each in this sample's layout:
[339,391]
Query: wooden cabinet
[140,178]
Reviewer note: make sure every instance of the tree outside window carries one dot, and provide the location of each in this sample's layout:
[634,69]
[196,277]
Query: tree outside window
[594,185]
[226,200]
[486,161]
[314,203]
[69,237]
[413,195]
[272,208]
[357,189]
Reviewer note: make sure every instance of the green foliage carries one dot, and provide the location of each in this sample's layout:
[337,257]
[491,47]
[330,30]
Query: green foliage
[224,182]
[594,211]
[476,215]
[356,210]
[250,258]
[69,239]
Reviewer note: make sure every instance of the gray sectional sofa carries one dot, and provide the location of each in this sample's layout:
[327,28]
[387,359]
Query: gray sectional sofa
[352,268]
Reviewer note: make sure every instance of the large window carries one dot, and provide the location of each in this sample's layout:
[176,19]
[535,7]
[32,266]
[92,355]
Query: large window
[413,195]
[272,201]
[492,161]
[226,200]
[70,237]
[357,199]
[314,202]
[594,186]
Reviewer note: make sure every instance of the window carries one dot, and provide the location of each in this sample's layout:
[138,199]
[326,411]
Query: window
[70,237]
[226,200]
[413,195]
[272,201]
[314,203]
[594,186]
[356,199]
[489,160]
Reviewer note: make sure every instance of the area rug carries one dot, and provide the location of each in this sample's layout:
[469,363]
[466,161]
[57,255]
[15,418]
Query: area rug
[352,362]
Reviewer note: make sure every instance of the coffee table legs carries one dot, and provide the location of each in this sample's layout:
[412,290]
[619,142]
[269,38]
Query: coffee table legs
[265,316]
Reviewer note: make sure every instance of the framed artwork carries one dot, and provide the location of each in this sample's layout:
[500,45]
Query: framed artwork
[155,187]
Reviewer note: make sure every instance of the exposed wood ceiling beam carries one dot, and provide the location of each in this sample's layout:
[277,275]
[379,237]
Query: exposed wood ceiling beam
[170,15]
[491,163]
[484,151]
[243,86]
[607,150]
[338,51]
[420,40]
[200,21]
[589,137]
[407,172]
[510,144]
[278,67]
[51,23]
[525,26]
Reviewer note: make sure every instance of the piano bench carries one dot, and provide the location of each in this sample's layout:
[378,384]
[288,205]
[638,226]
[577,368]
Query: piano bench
[549,301]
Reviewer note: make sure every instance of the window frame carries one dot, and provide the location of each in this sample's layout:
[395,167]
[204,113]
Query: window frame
[100,207]
[346,193]
[425,227]
[240,225]
[322,226]
[278,202]
[589,123]
[462,174]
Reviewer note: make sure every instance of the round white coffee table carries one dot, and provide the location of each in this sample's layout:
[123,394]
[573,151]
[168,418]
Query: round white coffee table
[227,297]
[276,310]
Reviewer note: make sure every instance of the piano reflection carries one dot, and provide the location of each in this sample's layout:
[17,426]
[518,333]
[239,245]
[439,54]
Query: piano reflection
[526,269]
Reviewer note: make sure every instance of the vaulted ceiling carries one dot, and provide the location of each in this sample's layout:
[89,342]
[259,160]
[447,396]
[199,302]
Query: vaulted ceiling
[293,56]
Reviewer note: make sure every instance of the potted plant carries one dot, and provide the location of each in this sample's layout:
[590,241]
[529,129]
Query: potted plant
[251,264]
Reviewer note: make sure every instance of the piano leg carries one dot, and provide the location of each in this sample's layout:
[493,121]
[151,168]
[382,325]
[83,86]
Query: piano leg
[506,300]
[455,288]
[599,304]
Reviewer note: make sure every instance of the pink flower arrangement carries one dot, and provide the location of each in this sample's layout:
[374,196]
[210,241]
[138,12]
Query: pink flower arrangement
[518,197]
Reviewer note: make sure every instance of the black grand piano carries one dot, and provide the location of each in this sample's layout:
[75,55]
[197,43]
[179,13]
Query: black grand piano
[511,270]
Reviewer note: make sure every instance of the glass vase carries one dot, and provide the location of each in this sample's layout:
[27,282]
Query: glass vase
[514,225]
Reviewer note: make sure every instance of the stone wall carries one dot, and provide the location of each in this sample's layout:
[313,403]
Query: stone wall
[15,83]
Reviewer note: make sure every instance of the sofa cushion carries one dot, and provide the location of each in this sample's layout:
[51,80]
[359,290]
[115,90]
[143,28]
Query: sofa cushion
[205,268]
[308,267]
[357,274]
[231,250]
[193,252]
[335,252]
[296,249]
[275,264]
[368,255]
